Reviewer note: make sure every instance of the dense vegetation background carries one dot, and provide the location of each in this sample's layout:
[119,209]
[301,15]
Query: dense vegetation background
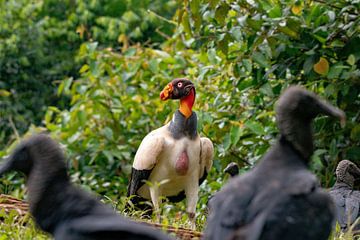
[90,73]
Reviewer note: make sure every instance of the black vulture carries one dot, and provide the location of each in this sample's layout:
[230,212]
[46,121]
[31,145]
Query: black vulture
[346,199]
[174,155]
[279,198]
[232,169]
[59,207]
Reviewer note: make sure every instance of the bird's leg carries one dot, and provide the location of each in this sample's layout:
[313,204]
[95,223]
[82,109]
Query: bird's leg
[192,198]
[154,194]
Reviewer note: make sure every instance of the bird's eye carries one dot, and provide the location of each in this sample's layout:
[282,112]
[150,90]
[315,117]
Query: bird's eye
[180,84]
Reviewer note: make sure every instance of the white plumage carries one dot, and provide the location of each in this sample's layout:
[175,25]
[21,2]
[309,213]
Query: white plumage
[173,160]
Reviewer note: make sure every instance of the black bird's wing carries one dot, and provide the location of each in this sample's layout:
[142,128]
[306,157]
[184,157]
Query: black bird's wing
[347,206]
[338,196]
[280,210]
[106,228]
[228,208]
[299,204]
[351,208]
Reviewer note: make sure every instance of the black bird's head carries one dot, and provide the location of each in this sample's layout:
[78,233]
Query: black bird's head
[295,111]
[347,172]
[232,169]
[30,152]
[177,89]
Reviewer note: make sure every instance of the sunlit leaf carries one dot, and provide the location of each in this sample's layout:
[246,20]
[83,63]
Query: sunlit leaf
[322,66]
[4,93]
[351,60]
[186,23]
[297,9]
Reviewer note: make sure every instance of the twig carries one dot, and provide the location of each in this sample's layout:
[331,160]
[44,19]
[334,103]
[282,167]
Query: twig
[161,17]
[12,125]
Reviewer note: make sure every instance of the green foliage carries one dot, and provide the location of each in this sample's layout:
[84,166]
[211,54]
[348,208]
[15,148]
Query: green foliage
[114,104]
[39,41]
[240,54]
[260,48]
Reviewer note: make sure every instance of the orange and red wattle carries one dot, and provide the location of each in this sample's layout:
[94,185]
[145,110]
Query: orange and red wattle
[187,103]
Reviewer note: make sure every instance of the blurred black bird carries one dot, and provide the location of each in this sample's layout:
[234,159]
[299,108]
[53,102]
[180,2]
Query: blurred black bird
[347,200]
[60,208]
[279,198]
[232,169]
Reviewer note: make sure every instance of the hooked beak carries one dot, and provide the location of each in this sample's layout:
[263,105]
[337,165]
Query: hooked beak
[332,111]
[232,169]
[166,93]
[355,171]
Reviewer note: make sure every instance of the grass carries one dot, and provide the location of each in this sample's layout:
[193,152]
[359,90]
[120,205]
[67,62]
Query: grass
[15,227]
[19,228]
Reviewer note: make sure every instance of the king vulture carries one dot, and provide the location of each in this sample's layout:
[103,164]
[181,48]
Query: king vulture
[279,198]
[174,155]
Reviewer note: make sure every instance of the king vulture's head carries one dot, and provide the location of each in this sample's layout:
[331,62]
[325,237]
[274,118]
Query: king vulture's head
[177,89]
[183,89]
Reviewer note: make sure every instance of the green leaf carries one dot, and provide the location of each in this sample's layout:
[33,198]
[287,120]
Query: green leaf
[109,156]
[213,3]
[255,127]
[235,134]
[82,117]
[308,64]
[224,44]
[335,71]
[154,65]
[355,133]
[275,12]
[247,64]
[226,142]
[108,133]
[333,149]
[91,47]
[260,59]
[195,13]
[186,23]
[221,12]
[84,68]
[130,52]
[267,90]
[351,60]
[353,153]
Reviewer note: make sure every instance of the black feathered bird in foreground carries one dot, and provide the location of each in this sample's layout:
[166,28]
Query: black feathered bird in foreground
[279,198]
[347,200]
[60,208]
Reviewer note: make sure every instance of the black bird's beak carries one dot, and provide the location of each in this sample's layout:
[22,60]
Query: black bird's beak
[328,109]
[355,171]
[232,169]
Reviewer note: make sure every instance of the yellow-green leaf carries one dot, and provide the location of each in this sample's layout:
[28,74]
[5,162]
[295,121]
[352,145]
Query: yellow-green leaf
[4,93]
[351,60]
[186,23]
[296,9]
